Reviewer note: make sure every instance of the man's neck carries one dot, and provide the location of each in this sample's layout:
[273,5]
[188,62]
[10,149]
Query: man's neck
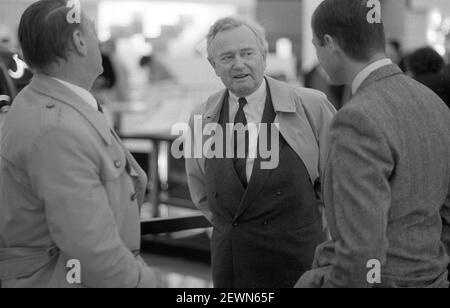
[354,68]
[72,75]
[82,83]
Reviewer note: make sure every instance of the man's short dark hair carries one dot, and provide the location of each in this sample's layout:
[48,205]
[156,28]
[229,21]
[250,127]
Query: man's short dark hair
[45,33]
[347,22]
[425,60]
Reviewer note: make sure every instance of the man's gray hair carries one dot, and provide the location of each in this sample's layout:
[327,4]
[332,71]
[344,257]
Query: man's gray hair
[231,23]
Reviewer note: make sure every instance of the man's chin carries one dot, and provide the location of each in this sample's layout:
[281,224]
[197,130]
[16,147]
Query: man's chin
[242,92]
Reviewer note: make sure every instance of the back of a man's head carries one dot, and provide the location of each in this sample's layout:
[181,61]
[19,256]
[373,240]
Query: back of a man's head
[348,22]
[425,61]
[45,33]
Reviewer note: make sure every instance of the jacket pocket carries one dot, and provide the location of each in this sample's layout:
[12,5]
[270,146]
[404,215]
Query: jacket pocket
[16,263]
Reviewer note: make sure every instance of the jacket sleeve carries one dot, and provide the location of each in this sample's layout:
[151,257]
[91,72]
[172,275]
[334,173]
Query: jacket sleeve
[320,113]
[196,175]
[357,196]
[64,172]
[445,214]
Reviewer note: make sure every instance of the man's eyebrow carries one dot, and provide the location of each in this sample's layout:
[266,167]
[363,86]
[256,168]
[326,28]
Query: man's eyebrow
[226,53]
[248,49]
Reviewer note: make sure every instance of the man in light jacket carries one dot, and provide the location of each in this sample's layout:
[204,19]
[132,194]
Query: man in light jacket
[69,191]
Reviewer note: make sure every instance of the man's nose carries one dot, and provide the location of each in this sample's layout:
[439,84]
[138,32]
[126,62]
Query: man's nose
[239,62]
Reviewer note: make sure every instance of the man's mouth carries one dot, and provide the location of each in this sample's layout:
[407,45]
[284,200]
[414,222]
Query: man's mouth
[240,76]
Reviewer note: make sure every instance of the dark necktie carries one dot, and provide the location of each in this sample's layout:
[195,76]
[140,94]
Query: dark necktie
[240,141]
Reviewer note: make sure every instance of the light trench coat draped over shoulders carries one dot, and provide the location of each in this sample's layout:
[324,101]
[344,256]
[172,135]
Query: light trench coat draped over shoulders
[304,116]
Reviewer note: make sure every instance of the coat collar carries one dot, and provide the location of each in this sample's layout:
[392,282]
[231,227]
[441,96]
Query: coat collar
[281,99]
[54,89]
[381,73]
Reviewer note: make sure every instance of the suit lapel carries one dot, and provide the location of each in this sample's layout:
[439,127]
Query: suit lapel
[221,170]
[294,124]
[259,176]
[52,88]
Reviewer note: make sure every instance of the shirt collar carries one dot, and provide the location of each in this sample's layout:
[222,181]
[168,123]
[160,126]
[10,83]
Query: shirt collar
[84,94]
[253,99]
[359,79]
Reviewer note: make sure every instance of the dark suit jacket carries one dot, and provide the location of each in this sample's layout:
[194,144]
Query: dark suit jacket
[386,187]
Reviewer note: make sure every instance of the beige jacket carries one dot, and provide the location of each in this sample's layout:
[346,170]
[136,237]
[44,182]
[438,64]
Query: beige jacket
[68,190]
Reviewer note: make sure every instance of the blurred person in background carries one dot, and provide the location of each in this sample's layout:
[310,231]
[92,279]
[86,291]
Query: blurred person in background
[386,182]
[69,190]
[394,52]
[318,79]
[6,37]
[12,59]
[113,82]
[158,71]
[267,222]
[425,65]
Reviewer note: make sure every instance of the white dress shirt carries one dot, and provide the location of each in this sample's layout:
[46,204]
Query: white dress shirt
[362,76]
[254,110]
[87,96]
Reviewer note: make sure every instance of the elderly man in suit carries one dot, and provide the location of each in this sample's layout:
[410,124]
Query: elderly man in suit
[386,182]
[266,221]
[69,191]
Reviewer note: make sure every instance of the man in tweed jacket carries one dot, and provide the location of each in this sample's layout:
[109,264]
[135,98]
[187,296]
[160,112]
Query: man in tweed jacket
[386,181]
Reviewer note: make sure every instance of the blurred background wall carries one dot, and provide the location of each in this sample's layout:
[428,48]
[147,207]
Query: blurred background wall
[411,22]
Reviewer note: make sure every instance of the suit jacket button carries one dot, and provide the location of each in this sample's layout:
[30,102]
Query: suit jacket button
[235,224]
[118,164]
[278,193]
[50,106]
[265,223]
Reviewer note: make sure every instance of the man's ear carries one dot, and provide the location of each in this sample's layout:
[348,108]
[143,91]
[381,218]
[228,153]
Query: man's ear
[328,40]
[79,43]
[331,44]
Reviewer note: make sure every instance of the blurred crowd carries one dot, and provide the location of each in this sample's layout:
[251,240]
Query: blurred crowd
[424,64]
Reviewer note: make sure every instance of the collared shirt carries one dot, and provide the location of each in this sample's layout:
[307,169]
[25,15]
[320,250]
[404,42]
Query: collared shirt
[254,110]
[84,94]
[359,79]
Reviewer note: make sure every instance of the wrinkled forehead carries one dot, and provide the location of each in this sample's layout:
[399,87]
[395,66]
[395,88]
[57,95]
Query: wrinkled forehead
[234,40]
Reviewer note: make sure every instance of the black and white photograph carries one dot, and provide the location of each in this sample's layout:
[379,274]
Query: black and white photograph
[225,151]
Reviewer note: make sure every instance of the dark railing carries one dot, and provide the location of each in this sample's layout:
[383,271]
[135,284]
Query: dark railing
[169,225]
[157,238]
